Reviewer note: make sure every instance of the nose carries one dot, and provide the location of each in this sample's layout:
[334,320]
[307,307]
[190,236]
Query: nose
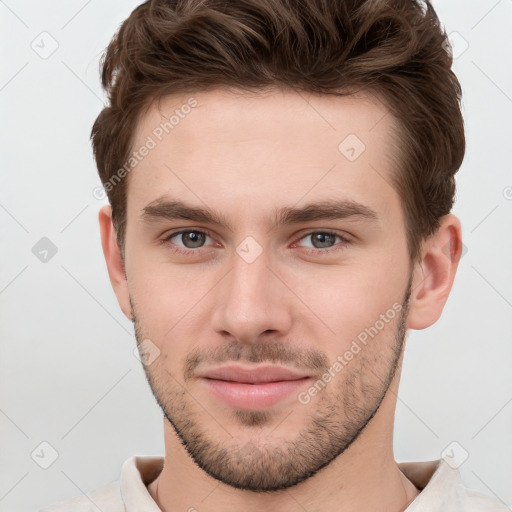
[252,301]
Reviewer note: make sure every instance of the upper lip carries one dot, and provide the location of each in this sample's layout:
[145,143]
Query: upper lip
[256,375]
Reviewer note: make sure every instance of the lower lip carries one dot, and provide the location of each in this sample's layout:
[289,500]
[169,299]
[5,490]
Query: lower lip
[253,396]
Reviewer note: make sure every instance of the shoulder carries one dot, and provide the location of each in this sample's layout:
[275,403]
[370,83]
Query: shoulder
[106,498]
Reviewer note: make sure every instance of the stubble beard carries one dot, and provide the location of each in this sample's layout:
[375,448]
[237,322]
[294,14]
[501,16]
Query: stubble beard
[337,415]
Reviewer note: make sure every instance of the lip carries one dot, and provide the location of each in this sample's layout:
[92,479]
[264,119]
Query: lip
[257,375]
[253,389]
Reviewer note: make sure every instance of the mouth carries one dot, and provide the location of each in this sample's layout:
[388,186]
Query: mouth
[252,389]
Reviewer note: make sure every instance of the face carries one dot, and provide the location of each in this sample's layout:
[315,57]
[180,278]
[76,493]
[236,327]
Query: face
[262,231]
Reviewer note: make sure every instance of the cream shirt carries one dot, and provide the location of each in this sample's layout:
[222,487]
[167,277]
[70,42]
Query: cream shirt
[441,490]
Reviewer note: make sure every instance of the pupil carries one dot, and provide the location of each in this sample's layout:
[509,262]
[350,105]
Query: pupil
[192,239]
[323,238]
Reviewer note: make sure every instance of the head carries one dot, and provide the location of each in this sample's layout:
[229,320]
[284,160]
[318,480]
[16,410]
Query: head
[280,176]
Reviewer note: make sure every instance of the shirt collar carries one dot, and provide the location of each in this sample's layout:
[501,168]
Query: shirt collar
[437,480]
[136,474]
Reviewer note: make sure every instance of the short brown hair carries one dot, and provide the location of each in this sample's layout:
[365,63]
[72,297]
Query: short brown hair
[395,49]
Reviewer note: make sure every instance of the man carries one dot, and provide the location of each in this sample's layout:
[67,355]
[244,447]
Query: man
[280,177]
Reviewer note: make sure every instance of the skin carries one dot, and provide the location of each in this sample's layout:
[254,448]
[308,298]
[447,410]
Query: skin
[245,156]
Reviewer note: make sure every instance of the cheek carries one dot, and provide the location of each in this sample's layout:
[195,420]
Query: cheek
[349,300]
[166,298]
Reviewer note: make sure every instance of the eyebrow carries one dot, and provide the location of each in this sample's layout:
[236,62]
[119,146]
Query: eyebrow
[167,209]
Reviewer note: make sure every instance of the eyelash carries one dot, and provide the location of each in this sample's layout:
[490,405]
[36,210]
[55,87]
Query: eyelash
[191,252]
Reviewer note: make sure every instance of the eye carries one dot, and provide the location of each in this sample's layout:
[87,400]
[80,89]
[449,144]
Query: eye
[324,241]
[187,239]
[320,242]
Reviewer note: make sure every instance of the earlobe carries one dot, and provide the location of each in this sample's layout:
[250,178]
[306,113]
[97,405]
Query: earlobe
[114,261]
[434,273]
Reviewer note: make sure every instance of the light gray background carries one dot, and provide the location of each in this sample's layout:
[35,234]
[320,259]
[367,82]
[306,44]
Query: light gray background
[68,373]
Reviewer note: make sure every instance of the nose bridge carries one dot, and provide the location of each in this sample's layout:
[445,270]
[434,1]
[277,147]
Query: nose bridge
[249,284]
[250,302]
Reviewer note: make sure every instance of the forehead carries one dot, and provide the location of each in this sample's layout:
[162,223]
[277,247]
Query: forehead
[211,115]
[276,146]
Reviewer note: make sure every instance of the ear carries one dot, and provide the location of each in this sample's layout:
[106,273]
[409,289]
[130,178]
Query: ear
[115,264]
[434,273]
